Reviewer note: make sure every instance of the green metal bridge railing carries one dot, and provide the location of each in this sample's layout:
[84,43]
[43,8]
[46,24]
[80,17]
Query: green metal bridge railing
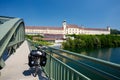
[58,68]
[66,65]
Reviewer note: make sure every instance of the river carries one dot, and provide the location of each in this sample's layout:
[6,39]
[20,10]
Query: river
[108,54]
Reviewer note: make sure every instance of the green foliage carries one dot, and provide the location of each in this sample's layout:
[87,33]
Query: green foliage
[91,42]
[114,31]
[38,36]
[29,37]
[39,41]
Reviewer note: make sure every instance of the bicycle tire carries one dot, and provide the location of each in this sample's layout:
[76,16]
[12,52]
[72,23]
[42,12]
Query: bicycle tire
[36,71]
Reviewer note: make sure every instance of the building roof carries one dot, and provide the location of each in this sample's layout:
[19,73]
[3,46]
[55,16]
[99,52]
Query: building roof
[76,26]
[68,26]
[95,29]
[43,27]
[54,34]
[72,26]
[49,39]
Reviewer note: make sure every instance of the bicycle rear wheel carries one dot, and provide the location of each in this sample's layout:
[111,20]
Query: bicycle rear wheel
[36,71]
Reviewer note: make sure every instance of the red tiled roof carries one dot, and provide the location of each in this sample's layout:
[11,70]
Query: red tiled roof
[72,26]
[75,26]
[54,34]
[61,28]
[49,38]
[41,27]
[96,29]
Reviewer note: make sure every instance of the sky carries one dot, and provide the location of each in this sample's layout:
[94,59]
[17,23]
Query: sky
[87,13]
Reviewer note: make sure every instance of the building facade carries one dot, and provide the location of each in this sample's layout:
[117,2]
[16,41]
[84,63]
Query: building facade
[65,30]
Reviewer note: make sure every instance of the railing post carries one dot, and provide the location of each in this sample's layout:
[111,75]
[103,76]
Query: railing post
[50,65]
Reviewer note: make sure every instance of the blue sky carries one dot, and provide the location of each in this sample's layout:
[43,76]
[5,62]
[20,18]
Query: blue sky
[88,13]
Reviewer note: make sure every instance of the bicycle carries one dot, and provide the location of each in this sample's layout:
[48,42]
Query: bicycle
[36,62]
[36,59]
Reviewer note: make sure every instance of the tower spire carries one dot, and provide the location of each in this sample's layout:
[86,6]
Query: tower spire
[64,24]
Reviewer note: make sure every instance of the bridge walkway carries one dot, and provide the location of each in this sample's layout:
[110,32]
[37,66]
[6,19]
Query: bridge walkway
[17,66]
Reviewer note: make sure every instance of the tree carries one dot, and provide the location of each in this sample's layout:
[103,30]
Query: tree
[115,31]
[86,42]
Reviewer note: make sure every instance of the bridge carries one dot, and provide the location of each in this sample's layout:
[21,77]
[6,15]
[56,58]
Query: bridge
[61,64]
[11,35]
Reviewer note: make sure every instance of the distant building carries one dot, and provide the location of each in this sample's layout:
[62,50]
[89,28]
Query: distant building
[60,32]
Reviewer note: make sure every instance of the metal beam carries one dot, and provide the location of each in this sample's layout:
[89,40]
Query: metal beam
[8,32]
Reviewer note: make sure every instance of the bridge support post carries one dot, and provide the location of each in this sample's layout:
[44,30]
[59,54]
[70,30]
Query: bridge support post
[2,63]
[50,66]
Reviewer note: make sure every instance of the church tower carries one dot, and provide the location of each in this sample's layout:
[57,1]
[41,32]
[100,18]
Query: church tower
[108,28]
[64,24]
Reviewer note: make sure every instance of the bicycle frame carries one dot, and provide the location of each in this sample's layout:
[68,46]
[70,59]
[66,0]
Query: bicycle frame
[37,64]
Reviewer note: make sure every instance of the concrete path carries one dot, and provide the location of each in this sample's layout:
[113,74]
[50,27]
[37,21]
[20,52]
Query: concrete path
[17,66]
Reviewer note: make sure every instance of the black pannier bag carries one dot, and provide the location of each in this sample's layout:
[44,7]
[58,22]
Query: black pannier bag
[43,59]
[31,61]
[32,55]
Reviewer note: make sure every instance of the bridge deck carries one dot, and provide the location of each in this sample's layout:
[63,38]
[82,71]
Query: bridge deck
[17,66]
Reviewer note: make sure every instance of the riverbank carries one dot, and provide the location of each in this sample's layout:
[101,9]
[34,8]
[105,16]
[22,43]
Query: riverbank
[80,42]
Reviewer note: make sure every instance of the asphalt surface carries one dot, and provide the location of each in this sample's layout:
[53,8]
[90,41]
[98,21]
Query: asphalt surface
[17,66]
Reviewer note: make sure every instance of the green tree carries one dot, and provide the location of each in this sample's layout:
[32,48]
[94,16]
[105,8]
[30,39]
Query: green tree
[91,42]
[114,31]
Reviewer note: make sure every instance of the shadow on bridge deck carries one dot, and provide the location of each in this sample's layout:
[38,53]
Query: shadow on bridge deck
[17,66]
